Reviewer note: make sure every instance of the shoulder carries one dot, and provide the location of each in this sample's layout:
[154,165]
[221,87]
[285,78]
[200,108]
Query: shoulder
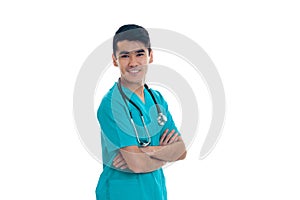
[108,99]
[113,94]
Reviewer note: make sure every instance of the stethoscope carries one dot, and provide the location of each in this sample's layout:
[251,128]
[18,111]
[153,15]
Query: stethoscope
[161,119]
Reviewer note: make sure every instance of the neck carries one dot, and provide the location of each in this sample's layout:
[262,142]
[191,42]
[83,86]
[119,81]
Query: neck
[137,88]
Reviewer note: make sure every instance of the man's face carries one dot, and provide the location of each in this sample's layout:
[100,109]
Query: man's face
[132,57]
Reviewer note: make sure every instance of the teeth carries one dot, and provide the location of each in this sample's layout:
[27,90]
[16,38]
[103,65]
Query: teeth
[134,71]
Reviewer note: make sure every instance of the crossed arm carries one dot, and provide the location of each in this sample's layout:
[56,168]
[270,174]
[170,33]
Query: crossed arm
[147,159]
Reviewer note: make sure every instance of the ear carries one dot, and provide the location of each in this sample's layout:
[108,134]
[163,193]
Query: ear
[151,56]
[115,62]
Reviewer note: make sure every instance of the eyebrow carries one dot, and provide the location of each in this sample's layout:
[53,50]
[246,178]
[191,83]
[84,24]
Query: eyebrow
[127,52]
[140,51]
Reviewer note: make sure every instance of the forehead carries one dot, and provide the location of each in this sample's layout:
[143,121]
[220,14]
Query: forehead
[129,46]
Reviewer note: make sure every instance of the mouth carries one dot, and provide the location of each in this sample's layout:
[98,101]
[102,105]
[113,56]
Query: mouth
[134,70]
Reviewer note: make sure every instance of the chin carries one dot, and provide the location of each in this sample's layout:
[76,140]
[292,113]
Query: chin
[134,80]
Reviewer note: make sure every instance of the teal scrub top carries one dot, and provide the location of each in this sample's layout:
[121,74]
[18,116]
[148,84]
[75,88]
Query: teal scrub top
[117,132]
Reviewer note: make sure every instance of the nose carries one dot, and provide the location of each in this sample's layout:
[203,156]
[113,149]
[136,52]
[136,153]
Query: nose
[133,61]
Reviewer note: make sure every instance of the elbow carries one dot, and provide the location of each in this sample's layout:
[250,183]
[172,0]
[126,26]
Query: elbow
[182,152]
[183,156]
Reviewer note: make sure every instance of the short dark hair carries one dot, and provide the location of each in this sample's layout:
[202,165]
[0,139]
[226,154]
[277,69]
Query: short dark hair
[131,32]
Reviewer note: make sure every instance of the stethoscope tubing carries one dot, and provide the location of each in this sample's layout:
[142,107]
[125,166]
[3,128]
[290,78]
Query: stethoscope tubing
[161,118]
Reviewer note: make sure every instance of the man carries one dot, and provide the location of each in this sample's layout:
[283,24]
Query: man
[138,134]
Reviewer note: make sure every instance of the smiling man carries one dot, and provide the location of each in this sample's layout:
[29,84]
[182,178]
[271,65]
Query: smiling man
[138,134]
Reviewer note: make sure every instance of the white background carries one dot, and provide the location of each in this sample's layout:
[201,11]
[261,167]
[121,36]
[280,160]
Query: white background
[255,46]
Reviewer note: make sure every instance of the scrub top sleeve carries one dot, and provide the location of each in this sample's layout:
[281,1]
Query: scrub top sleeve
[115,125]
[170,124]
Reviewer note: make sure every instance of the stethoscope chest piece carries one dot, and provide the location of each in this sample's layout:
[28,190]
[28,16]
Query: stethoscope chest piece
[161,119]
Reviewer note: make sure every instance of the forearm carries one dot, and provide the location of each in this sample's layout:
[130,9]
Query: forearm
[170,152]
[140,162]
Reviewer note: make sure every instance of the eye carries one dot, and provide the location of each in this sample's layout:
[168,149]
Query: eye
[140,54]
[124,56]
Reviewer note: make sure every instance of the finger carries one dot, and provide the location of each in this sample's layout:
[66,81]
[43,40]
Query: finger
[174,138]
[117,157]
[118,160]
[124,166]
[167,137]
[162,138]
[166,141]
[120,164]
